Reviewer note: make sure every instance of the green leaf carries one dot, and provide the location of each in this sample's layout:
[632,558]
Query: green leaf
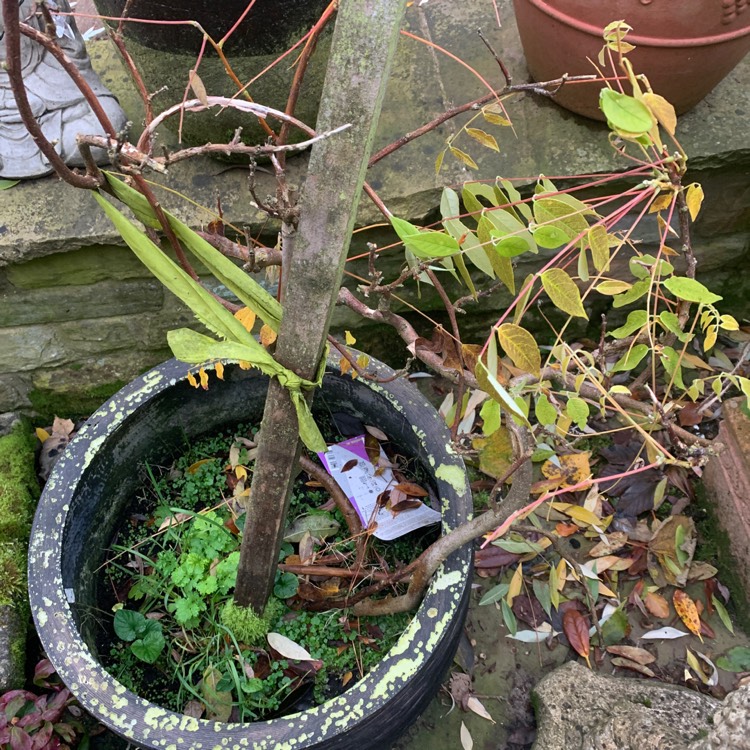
[508,617]
[518,547]
[210,312]
[578,411]
[542,593]
[636,320]
[625,114]
[247,290]
[484,138]
[671,322]
[546,413]
[563,292]
[490,414]
[555,212]
[426,245]
[506,225]
[151,644]
[737,659]
[634,293]
[495,594]
[129,624]
[509,247]
[496,391]
[690,290]
[7,184]
[286,586]
[549,237]
[616,628]
[472,249]
[671,361]
[721,610]
[521,347]
[631,358]
[514,196]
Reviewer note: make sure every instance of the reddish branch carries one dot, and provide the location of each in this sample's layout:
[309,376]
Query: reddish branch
[302,62]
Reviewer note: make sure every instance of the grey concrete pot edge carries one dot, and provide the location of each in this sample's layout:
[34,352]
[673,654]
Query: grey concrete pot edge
[421,655]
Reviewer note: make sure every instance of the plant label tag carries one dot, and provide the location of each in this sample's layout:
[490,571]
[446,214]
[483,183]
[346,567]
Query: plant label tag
[364,483]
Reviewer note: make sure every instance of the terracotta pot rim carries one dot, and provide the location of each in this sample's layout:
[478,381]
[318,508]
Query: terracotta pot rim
[642,41]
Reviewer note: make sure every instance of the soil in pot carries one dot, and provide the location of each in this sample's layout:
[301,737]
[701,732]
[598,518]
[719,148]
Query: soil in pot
[175,638]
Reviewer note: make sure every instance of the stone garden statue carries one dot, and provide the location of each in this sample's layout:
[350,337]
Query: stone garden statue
[58,105]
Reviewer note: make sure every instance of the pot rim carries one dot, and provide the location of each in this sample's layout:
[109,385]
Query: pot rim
[149,724]
[638,40]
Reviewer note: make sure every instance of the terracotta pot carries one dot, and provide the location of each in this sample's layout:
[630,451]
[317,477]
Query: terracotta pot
[685,48]
[165,53]
[87,498]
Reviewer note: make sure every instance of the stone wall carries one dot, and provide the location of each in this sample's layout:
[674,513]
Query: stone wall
[79,315]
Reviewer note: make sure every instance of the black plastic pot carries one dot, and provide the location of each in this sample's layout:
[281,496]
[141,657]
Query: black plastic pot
[87,497]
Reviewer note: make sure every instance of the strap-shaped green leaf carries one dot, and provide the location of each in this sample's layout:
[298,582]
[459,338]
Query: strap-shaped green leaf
[190,346]
[193,347]
[215,317]
[247,290]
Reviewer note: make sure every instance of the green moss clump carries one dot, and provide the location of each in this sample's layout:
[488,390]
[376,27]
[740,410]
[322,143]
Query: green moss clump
[246,625]
[75,405]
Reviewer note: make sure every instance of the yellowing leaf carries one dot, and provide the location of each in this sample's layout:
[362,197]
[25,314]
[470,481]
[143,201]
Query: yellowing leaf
[492,113]
[193,468]
[191,379]
[521,347]
[464,157]
[244,364]
[662,110]
[516,583]
[247,317]
[694,199]
[585,517]
[484,138]
[42,434]
[567,470]
[613,287]
[350,340]
[240,472]
[203,375]
[563,292]
[267,335]
[344,365]
[495,452]
[661,202]
[219,369]
[686,609]
[599,244]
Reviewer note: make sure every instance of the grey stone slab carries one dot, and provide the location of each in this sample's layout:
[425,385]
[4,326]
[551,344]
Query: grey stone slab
[21,307]
[42,216]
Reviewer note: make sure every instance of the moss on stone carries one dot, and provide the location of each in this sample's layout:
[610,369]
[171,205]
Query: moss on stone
[73,404]
[713,545]
[19,491]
